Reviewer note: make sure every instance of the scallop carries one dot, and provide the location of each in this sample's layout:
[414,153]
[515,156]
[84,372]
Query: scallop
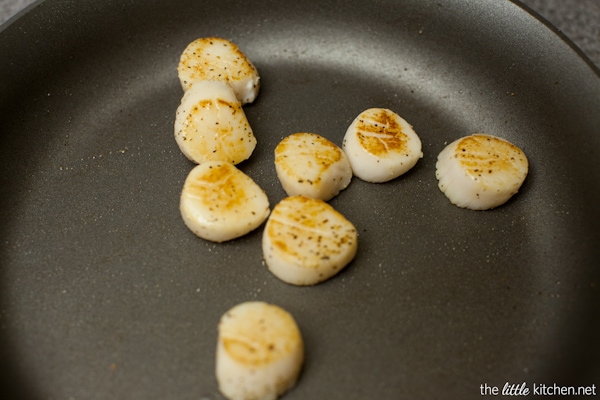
[210,125]
[480,171]
[213,58]
[260,352]
[307,241]
[308,164]
[381,146]
[219,202]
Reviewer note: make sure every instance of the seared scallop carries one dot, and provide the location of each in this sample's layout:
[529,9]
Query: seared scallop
[219,59]
[307,241]
[260,352]
[381,146]
[480,171]
[210,125]
[219,202]
[309,164]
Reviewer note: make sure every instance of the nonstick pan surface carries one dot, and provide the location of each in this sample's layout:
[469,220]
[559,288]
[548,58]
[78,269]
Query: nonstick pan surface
[104,293]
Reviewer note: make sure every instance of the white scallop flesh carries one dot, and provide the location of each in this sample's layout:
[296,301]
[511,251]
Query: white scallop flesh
[480,172]
[219,202]
[307,241]
[260,352]
[309,164]
[381,145]
[219,59]
[210,125]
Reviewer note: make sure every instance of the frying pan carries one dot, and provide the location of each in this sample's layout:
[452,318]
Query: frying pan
[106,294]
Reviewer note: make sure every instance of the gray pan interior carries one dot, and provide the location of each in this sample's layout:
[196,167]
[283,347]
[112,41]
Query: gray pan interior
[106,294]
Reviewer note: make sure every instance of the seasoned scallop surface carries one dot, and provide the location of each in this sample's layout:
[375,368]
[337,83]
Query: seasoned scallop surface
[210,125]
[260,352]
[309,164]
[307,241]
[480,171]
[219,59]
[219,202]
[381,146]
